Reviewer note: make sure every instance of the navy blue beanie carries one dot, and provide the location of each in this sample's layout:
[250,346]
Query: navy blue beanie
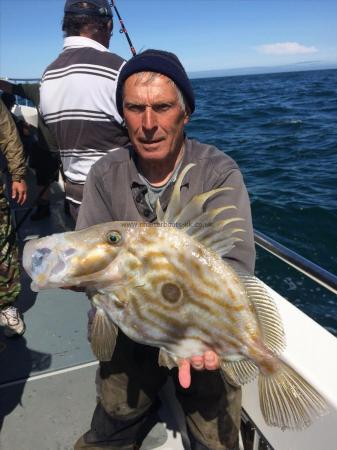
[157,61]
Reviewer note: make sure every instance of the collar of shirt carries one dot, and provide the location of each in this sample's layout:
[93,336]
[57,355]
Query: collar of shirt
[81,41]
[133,171]
[139,188]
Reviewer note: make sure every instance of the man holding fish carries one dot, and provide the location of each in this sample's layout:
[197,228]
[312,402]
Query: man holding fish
[156,99]
[164,249]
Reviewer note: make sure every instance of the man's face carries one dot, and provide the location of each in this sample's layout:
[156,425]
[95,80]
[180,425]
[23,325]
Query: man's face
[154,117]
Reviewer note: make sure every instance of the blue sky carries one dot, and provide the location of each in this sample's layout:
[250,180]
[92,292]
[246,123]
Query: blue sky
[205,34]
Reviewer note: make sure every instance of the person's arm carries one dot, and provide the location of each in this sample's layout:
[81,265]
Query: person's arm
[95,207]
[11,147]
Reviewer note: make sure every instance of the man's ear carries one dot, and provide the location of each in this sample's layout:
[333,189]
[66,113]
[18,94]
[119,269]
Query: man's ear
[110,25]
[186,118]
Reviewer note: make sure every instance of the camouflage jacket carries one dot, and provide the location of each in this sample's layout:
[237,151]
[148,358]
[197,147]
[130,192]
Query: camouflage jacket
[10,145]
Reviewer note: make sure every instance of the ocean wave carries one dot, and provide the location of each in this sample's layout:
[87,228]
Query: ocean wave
[282,131]
[282,123]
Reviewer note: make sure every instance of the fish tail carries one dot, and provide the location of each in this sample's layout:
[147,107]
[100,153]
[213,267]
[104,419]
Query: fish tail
[288,401]
[103,335]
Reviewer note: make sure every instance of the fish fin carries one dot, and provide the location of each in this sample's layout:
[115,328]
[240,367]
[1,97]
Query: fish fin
[287,401]
[196,222]
[224,247]
[159,212]
[166,359]
[225,375]
[217,238]
[174,206]
[221,238]
[193,211]
[267,313]
[103,335]
[239,372]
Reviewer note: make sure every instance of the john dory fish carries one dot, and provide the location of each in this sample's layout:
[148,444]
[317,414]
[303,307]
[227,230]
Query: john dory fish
[166,285]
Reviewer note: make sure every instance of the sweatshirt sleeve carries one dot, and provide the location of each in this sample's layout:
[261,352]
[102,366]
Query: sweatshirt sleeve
[10,145]
[95,207]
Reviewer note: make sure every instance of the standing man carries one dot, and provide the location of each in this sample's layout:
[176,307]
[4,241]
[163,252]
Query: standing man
[44,155]
[11,148]
[156,99]
[78,93]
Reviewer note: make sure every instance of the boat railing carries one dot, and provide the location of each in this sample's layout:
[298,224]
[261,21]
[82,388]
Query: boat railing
[298,262]
[251,437]
[25,80]
[22,101]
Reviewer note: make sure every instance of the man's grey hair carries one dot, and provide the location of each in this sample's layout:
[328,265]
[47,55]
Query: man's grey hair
[148,77]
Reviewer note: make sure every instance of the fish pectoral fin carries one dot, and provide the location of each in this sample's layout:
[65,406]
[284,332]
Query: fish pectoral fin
[288,401]
[167,359]
[238,372]
[103,336]
[267,313]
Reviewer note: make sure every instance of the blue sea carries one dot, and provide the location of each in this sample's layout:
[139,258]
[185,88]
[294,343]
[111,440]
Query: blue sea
[282,131]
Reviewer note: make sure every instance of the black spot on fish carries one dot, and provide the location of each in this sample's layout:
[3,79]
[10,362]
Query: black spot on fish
[171,292]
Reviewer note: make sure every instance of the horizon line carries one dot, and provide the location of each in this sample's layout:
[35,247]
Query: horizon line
[247,70]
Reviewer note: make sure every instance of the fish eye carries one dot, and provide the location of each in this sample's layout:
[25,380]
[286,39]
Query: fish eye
[114,237]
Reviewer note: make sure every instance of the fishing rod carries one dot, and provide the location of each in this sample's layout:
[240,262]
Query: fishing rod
[123,29]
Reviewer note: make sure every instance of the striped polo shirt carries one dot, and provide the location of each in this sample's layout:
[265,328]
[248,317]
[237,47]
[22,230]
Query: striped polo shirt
[77,101]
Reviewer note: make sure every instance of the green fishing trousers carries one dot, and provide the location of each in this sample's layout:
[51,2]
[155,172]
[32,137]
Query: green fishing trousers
[128,386]
[9,261]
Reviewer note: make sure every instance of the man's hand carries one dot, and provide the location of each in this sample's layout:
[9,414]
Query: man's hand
[209,361]
[19,191]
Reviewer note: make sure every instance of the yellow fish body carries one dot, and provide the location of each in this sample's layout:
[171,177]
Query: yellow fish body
[166,285]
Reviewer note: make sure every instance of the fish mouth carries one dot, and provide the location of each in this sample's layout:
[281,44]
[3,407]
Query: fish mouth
[45,267]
